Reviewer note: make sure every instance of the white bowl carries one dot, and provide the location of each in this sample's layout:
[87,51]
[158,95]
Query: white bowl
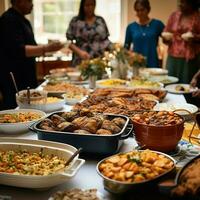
[36,96]
[74,76]
[46,107]
[178,106]
[73,100]
[19,127]
[48,148]
[58,72]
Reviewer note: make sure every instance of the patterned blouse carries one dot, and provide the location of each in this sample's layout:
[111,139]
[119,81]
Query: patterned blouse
[180,48]
[90,38]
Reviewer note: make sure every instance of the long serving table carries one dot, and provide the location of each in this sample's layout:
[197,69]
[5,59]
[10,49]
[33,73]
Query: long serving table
[87,176]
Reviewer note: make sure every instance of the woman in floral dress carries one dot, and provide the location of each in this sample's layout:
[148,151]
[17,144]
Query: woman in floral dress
[88,33]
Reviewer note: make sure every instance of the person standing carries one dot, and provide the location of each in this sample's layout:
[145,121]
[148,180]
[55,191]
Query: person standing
[195,82]
[88,33]
[182,35]
[144,33]
[18,50]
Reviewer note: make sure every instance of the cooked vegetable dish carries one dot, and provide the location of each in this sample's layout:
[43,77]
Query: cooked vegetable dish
[160,118]
[27,163]
[19,117]
[135,166]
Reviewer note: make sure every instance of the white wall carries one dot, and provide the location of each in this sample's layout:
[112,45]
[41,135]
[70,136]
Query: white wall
[160,9]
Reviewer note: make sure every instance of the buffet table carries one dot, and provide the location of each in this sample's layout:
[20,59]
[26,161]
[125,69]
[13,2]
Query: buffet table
[87,176]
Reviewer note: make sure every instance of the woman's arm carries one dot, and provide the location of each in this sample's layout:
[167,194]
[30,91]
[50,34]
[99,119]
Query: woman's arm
[167,34]
[128,41]
[82,54]
[40,50]
[195,79]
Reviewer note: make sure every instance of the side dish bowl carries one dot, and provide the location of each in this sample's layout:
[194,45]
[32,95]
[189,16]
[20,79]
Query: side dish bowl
[18,121]
[162,133]
[124,174]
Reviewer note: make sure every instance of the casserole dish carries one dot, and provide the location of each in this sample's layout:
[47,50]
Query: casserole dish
[134,169]
[48,148]
[91,143]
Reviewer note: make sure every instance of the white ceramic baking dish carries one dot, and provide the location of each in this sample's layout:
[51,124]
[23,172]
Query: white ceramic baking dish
[34,181]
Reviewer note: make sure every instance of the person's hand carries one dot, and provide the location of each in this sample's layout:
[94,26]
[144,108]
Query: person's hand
[84,55]
[53,46]
[193,82]
[196,93]
[167,36]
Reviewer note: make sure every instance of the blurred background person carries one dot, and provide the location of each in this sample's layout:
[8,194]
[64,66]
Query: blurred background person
[182,35]
[195,82]
[88,33]
[18,50]
[144,33]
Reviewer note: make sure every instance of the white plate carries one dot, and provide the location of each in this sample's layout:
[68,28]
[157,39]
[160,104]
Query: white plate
[164,79]
[172,107]
[155,85]
[79,82]
[172,88]
[20,127]
[152,71]
[31,181]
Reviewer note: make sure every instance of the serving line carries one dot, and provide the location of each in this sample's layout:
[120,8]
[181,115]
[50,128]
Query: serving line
[87,176]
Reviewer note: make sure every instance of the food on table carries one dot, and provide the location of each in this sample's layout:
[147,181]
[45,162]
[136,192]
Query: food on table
[24,162]
[189,184]
[135,166]
[182,88]
[128,93]
[160,118]
[19,117]
[76,194]
[150,97]
[83,122]
[117,105]
[120,101]
[65,88]
[53,100]
[166,81]
[144,83]
[32,94]
[36,97]
[112,83]
[59,72]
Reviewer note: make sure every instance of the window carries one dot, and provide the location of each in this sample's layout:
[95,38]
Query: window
[51,17]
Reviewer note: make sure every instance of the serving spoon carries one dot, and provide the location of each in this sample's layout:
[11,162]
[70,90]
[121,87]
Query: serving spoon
[14,82]
[73,156]
[28,95]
